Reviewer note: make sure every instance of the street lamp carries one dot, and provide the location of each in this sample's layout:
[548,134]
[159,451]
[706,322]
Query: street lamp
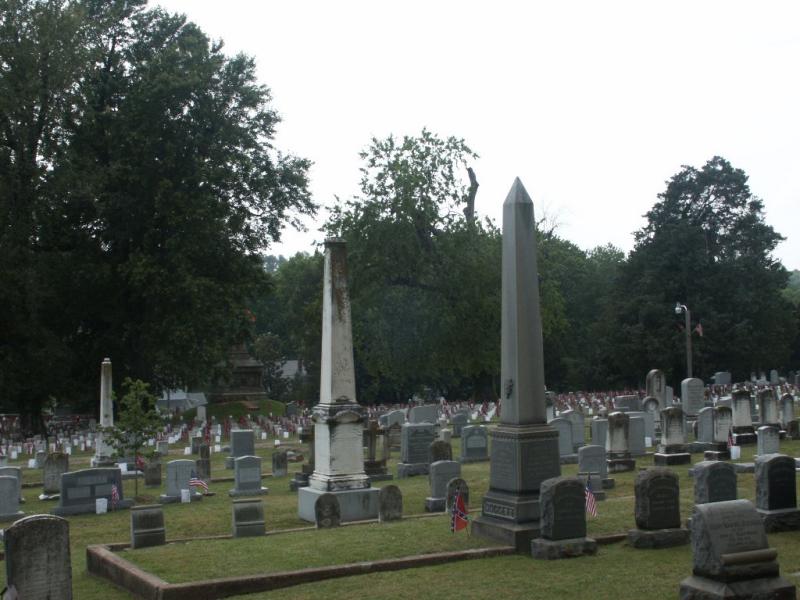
[682,308]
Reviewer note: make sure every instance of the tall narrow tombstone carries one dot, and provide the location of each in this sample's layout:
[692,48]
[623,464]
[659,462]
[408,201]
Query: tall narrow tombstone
[658,514]
[9,499]
[459,421]
[242,444]
[722,423]
[247,477]
[743,432]
[152,473]
[714,481]
[147,526]
[617,444]
[103,450]
[672,450]
[474,444]
[731,557]
[566,451]
[649,425]
[203,464]
[280,463]
[705,426]
[563,531]
[54,466]
[38,565]
[375,466]
[776,492]
[787,410]
[16,473]
[656,386]
[524,447]
[338,418]
[577,422]
[768,408]
[692,395]
[636,434]
[599,429]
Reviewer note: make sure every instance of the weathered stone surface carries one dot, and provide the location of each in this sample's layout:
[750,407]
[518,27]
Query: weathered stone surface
[657,499]
[247,477]
[280,463]
[247,517]
[714,481]
[599,431]
[705,425]
[415,442]
[775,482]
[692,395]
[391,504]
[424,413]
[439,450]
[656,386]
[178,474]
[564,429]
[592,459]
[80,490]
[655,539]
[147,526]
[456,485]
[38,565]
[54,466]
[474,443]
[242,444]
[544,549]
[563,507]
[458,422]
[769,441]
[617,445]
[327,511]
[9,499]
[152,474]
[441,472]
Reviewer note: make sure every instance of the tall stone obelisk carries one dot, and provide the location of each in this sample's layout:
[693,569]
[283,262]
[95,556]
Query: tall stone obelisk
[103,451]
[338,418]
[524,447]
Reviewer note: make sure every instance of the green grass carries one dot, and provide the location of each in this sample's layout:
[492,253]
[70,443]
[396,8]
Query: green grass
[617,572]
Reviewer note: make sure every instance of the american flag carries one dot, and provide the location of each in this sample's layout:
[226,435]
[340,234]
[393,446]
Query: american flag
[114,495]
[730,439]
[459,515]
[591,503]
[195,481]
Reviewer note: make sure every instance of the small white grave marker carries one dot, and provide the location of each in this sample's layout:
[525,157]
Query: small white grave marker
[217,448]
[263,435]
[187,451]
[101,506]
[277,443]
[31,463]
[186,496]
[736,452]
[286,435]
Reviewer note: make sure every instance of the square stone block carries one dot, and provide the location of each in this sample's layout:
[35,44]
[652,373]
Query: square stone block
[354,505]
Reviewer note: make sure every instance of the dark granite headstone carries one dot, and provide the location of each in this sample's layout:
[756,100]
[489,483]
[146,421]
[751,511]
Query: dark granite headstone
[390,504]
[775,482]
[440,450]
[327,512]
[280,463]
[456,485]
[657,499]
[714,481]
[38,565]
[147,526]
[247,517]
[152,474]
[563,506]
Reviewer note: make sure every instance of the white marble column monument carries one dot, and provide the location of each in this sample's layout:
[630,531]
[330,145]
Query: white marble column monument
[524,449]
[103,451]
[338,418]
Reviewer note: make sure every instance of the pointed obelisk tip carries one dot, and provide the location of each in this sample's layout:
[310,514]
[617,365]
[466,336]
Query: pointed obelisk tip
[518,194]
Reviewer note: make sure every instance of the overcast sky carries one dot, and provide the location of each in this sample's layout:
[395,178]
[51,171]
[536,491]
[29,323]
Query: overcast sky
[594,105]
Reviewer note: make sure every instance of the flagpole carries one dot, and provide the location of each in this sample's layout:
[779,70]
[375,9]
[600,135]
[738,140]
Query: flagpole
[688,329]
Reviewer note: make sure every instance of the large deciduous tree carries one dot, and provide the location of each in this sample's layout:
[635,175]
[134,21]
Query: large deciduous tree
[138,187]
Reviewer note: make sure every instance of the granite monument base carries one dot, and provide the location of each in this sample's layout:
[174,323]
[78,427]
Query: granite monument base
[766,588]
[745,439]
[411,469]
[545,549]
[300,480]
[519,535]
[435,504]
[665,460]
[696,447]
[609,483]
[245,493]
[657,538]
[787,519]
[86,509]
[354,505]
[717,455]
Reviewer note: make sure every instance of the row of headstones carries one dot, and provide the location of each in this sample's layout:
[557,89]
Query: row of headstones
[426,413]
[419,448]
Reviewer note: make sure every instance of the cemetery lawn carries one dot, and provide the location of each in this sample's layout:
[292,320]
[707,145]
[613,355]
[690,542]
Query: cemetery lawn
[617,572]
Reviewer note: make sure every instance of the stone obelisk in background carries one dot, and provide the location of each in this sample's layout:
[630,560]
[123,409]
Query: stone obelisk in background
[103,451]
[338,419]
[524,447]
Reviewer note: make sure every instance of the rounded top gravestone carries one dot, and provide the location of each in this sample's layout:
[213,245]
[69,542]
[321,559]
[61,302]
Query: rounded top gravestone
[440,450]
[714,481]
[456,485]
[327,512]
[657,499]
[563,505]
[390,504]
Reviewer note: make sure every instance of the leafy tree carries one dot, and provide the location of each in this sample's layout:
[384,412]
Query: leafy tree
[706,245]
[133,224]
[136,422]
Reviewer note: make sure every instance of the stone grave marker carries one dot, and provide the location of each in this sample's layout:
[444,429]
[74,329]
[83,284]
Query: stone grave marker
[743,432]
[416,439]
[617,445]
[162,447]
[16,473]
[9,499]
[578,423]
[152,474]
[672,450]
[424,413]
[731,557]
[326,511]
[38,565]
[714,481]
[722,423]
[247,517]
[656,386]
[390,504]
[147,526]
[776,492]
[566,450]
[242,444]
[657,510]
[81,489]
[54,466]
[247,477]
[705,426]
[441,472]
[456,485]
[563,523]
[769,440]
[768,408]
[458,422]
[592,459]
[439,450]
[636,434]
[627,403]
[474,444]
[692,395]
[787,410]
[178,474]
[280,463]
[599,429]
[393,417]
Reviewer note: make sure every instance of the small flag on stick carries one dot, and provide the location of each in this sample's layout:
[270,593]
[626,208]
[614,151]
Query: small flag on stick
[114,496]
[195,481]
[459,516]
[591,502]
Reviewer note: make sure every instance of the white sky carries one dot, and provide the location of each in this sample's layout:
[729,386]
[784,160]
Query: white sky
[594,105]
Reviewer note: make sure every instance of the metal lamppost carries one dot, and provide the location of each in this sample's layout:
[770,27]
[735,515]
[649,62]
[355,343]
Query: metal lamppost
[682,308]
